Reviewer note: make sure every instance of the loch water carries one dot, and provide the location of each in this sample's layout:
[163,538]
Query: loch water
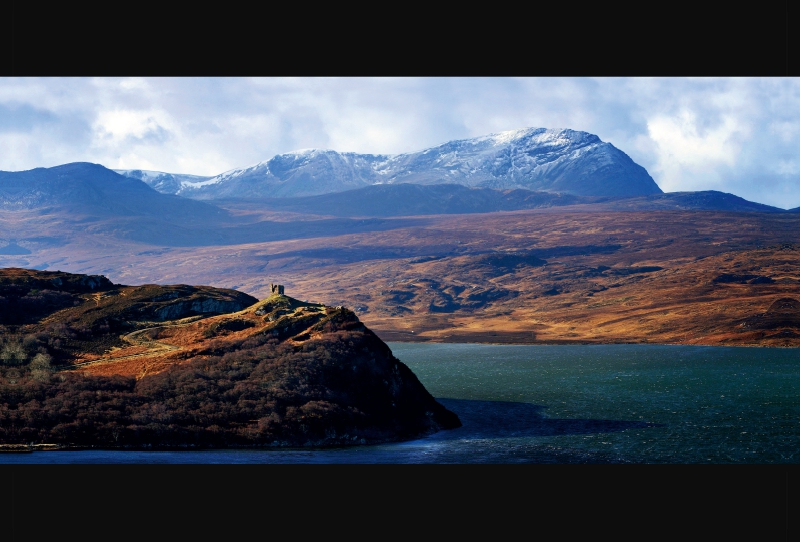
[568,404]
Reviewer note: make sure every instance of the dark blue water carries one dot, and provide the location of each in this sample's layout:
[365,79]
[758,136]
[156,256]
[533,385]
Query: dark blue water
[569,404]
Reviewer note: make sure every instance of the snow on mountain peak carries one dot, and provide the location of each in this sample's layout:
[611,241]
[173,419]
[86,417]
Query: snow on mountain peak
[504,138]
[549,159]
[306,152]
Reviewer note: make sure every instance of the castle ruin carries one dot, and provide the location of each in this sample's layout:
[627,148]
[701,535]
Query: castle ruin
[277,289]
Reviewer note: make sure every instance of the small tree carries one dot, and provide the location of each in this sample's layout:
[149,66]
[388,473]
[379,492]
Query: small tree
[40,367]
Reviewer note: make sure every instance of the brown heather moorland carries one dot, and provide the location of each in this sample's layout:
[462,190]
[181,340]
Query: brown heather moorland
[583,273]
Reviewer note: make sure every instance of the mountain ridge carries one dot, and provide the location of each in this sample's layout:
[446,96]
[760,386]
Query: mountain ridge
[407,199]
[551,160]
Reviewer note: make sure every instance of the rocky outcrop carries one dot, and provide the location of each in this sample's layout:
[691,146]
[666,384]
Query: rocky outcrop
[25,280]
[782,314]
[242,372]
[182,309]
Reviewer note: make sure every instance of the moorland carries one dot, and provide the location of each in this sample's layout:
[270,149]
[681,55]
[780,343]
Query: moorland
[576,273]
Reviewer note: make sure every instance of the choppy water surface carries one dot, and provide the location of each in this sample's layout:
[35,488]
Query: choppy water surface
[570,404]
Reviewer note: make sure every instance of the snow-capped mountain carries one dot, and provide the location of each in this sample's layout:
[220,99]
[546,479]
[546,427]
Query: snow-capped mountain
[166,183]
[564,161]
[298,173]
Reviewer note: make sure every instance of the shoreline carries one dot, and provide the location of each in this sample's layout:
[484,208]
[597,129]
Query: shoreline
[281,446]
[567,342]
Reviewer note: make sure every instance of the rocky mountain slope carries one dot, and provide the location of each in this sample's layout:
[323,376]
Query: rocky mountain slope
[166,183]
[84,362]
[564,161]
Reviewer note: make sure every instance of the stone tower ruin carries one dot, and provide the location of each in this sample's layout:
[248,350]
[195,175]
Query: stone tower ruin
[277,289]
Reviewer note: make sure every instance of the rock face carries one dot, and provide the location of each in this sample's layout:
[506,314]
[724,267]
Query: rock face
[538,159]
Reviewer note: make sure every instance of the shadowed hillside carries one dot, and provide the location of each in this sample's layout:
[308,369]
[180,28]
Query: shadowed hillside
[81,198]
[92,189]
[413,200]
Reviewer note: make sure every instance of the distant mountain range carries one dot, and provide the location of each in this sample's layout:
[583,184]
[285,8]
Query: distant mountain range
[536,159]
[85,199]
[407,199]
[92,189]
[413,199]
[705,200]
[362,193]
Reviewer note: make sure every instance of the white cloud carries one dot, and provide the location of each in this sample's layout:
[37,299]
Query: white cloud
[134,84]
[788,167]
[121,126]
[685,149]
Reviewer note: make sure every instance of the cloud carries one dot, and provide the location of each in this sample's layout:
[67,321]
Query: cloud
[23,118]
[689,156]
[734,135]
[132,127]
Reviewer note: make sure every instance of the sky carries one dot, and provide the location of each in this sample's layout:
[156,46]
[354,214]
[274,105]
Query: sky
[736,135]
